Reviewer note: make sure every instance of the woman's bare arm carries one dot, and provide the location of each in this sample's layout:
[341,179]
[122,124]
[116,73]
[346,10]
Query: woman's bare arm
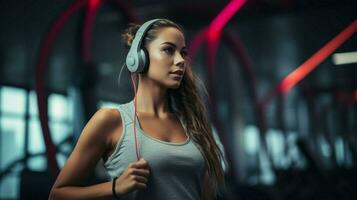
[92,144]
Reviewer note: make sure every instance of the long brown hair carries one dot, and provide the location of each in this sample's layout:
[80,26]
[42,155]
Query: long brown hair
[187,101]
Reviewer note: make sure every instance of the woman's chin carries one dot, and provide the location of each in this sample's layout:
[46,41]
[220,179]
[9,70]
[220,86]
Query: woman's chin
[174,86]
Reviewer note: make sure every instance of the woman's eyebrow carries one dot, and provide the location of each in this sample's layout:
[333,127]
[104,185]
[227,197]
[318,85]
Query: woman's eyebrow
[172,44]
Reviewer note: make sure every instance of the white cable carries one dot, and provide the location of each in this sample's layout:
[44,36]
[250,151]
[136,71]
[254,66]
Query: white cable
[122,67]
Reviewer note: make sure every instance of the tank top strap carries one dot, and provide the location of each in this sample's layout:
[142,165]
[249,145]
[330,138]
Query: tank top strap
[126,112]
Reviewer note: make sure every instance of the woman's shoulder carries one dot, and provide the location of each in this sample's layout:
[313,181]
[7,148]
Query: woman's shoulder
[107,118]
[103,122]
[108,123]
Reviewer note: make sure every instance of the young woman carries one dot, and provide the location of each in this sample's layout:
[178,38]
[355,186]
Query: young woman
[170,153]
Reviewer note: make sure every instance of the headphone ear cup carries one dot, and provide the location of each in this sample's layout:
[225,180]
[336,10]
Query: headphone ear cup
[144,56]
[132,62]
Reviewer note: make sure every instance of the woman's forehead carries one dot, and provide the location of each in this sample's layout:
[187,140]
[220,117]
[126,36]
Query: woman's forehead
[169,35]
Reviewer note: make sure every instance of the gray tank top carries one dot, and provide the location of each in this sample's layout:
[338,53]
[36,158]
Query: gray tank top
[176,169]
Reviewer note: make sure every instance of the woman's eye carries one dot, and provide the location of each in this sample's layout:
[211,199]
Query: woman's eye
[184,53]
[169,50]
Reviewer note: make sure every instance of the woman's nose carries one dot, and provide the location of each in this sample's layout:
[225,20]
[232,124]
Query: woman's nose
[179,59]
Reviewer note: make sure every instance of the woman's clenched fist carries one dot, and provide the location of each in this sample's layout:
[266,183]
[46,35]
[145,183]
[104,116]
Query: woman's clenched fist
[134,177]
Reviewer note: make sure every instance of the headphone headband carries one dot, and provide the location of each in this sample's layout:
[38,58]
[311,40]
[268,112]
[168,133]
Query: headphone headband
[136,58]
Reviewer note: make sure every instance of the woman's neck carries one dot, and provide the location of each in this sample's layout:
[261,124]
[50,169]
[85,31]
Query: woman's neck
[152,100]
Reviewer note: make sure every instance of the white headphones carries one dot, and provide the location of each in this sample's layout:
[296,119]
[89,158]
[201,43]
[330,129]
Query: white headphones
[137,59]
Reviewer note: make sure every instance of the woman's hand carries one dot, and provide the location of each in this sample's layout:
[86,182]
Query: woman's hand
[134,177]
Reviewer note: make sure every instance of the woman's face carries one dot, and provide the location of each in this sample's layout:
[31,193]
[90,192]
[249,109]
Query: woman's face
[167,54]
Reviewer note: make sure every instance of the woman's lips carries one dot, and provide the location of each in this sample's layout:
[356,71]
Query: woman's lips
[179,72]
[176,76]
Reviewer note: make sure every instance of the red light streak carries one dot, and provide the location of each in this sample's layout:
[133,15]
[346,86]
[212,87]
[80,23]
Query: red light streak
[223,17]
[303,70]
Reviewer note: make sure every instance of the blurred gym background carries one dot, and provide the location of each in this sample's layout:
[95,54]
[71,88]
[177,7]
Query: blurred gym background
[281,77]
